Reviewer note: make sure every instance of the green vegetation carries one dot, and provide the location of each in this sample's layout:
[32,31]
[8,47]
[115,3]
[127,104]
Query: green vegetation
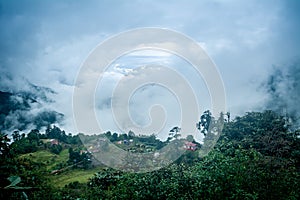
[47,158]
[75,175]
[256,157]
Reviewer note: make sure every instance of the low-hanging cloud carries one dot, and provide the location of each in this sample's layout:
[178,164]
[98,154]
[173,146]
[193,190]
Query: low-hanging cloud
[283,87]
[28,109]
[45,43]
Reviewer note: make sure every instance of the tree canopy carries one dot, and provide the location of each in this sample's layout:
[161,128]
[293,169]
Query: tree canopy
[256,157]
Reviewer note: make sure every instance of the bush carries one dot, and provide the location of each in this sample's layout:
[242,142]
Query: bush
[56,148]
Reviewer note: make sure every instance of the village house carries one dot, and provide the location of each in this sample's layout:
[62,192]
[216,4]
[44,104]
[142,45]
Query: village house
[50,141]
[54,142]
[190,146]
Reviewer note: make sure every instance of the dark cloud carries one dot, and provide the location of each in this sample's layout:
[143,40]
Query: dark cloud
[29,109]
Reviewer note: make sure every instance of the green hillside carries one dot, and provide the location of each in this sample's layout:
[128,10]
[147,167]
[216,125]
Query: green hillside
[45,157]
[73,175]
[257,156]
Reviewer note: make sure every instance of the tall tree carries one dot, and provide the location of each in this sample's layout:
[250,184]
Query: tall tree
[205,121]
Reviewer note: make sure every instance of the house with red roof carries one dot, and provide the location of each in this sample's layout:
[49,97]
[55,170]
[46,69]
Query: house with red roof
[190,146]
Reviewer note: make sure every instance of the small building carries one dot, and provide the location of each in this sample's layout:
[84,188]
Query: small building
[53,142]
[83,152]
[50,142]
[190,146]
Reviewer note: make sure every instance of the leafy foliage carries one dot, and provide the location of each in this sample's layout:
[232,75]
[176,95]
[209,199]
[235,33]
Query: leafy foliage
[256,157]
[205,121]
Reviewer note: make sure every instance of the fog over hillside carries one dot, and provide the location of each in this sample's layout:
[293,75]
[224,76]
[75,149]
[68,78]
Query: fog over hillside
[28,109]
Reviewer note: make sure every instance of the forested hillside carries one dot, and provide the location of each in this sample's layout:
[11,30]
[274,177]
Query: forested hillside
[256,157]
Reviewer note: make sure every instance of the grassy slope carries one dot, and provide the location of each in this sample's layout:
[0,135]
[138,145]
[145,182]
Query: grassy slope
[80,175]
[51,160]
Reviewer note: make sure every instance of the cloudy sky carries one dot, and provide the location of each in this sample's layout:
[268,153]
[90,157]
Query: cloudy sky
[46,42]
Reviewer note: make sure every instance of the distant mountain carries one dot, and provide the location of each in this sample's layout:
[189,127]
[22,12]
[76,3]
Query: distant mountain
[27,109]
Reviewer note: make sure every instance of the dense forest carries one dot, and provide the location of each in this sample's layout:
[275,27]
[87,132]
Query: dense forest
[257,156]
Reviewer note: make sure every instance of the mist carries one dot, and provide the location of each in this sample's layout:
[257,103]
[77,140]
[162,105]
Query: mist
[283,89]
[44,44]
